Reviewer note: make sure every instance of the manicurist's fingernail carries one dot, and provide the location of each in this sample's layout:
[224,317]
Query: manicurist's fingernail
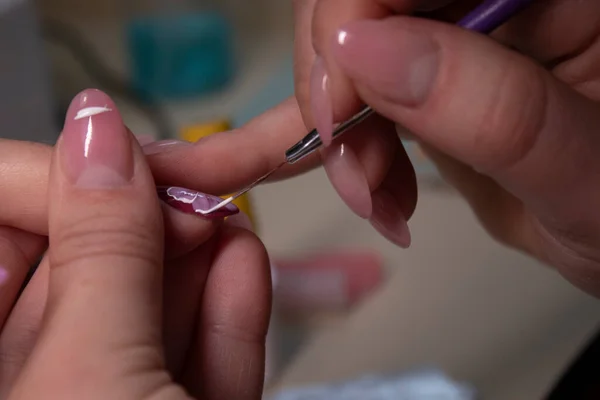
[320,101]
[388,219]
[396,62]
[193,202]
[95,146]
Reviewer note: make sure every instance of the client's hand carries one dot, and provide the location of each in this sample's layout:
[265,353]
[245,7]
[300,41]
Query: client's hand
[113,312]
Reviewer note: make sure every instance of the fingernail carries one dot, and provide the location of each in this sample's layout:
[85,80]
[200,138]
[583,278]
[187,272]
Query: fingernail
[320,101]
[95,147]
[240,220]
[349,179]
[163,146]
[394,62]
[193,202]
[389,220]
[144,139]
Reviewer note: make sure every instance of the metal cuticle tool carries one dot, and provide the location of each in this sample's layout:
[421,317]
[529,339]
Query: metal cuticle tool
[488,16]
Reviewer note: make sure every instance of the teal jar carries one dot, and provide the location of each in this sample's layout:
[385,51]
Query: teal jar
[178,55]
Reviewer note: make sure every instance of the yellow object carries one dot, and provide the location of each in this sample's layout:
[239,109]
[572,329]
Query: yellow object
[193,133]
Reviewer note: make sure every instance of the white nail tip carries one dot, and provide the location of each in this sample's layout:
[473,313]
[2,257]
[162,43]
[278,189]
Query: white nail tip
[90,111]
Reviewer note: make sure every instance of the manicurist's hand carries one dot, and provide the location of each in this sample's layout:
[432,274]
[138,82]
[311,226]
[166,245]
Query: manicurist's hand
[114,311]
[511,119]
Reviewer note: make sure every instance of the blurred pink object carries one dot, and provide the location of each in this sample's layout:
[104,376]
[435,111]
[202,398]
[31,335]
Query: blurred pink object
[327,281]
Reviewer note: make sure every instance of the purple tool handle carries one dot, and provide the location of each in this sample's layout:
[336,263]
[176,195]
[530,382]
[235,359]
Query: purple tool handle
[491,14]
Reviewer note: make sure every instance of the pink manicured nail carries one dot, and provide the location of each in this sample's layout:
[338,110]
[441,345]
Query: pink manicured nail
[349,179]
[192,202]
[163,146]
[95,146]
[388,219]
[320,101]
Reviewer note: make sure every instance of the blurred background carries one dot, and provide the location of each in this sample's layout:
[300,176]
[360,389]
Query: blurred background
[455,301]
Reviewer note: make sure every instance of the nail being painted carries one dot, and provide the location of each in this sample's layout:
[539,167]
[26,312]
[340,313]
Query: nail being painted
[90,111]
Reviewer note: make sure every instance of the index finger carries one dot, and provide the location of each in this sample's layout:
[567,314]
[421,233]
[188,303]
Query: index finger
[227,161]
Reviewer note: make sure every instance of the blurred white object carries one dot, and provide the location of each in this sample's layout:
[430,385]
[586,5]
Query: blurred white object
[419,385]
[26,110]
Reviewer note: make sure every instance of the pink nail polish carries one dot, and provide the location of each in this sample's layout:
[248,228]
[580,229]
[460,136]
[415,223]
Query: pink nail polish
[388,219]
[349,179]
[320,101]
[95,146]
[192,202]
[396,63]
[163,146]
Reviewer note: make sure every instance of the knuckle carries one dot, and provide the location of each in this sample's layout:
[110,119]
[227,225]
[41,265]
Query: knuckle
[513,120]
[104,236]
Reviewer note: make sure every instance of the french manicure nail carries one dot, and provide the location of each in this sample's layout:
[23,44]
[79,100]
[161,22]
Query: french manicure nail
[396,63]
[193,202]
[389,220]
[95,147]
[320,101]
[162,146]
[349,179]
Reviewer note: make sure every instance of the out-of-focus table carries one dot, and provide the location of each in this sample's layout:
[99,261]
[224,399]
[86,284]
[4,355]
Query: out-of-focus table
[456,299]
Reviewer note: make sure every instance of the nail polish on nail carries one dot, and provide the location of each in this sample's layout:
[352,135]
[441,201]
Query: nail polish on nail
[388,219]
[320,101]
[164,146]
[95,147]
[349,179]
[192,202]
[397,63]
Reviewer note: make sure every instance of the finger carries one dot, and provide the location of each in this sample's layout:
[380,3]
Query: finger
[24,169]
[19,251]
[515,125]
[330,97]
[229,352]
[235,158]
[22,328]
[106,252]
[184,283]
[499,212]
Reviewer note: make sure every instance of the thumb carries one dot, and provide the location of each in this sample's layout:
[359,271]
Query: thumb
[106,252]
[482,104]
